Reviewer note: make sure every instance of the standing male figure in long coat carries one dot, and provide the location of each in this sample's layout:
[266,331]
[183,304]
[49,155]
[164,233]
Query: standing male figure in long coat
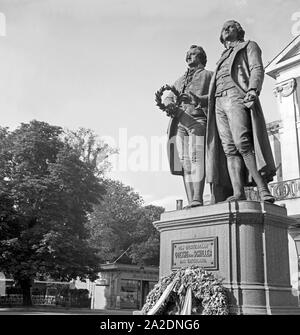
[236,125]
[186,144]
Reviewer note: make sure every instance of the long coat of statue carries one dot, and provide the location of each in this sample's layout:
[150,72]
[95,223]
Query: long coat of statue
[247,72]
[199,86]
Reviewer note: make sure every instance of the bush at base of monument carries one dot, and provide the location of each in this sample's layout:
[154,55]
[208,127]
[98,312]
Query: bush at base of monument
[208,294]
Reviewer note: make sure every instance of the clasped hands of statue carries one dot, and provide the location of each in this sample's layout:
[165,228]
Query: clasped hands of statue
[172,108]
[189,99]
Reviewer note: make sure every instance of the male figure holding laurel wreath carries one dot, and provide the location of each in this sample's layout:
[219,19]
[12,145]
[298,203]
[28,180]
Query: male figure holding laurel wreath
[235,124]
[187,128]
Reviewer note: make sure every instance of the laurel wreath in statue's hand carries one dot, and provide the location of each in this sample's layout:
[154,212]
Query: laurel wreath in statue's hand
[172,108]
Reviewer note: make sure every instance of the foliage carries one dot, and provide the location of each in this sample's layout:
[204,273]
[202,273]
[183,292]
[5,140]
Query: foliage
[46,194]
[209,295]
[145,247]
[90,149]
[120,222]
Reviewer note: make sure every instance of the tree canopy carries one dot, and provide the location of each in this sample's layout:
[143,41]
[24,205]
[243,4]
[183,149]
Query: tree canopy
[59,217]
[46,194]
[121,224]
[90,149]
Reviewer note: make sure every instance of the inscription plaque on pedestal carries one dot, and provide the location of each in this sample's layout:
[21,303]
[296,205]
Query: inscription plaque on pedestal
[200,252]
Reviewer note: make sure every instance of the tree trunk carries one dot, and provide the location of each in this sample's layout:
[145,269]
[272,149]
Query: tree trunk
[25,286]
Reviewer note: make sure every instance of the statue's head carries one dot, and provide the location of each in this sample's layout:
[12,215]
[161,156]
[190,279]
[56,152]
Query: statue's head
[232,31]
[196,56]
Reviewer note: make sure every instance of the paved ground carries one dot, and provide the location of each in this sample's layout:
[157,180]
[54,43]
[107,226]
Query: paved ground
[60,311]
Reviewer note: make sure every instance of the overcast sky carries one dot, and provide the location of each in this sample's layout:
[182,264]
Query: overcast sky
[98,63]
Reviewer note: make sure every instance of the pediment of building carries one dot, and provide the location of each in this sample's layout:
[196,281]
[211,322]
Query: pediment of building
[288,57]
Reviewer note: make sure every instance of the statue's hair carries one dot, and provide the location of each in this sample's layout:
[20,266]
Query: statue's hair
[202,55]
[241,31]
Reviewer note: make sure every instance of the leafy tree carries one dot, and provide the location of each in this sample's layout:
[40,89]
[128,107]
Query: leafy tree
[145,247]
[46,194]
[91,149]
[120,224]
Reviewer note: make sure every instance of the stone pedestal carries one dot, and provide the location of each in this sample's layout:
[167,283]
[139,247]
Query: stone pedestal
[245,243]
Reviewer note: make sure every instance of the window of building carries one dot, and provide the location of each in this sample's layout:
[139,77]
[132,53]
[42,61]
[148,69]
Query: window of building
[130,293]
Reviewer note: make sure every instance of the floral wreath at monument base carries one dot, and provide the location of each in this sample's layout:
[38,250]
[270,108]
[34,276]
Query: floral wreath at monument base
[187,291]
[171,108]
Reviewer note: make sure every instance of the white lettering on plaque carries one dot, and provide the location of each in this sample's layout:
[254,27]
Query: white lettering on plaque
[197,252]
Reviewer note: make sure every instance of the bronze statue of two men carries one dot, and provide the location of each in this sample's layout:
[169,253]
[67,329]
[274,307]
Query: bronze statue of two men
[218,132]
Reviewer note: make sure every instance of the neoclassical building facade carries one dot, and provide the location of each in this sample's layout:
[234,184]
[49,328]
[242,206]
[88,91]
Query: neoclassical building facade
[284,136]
